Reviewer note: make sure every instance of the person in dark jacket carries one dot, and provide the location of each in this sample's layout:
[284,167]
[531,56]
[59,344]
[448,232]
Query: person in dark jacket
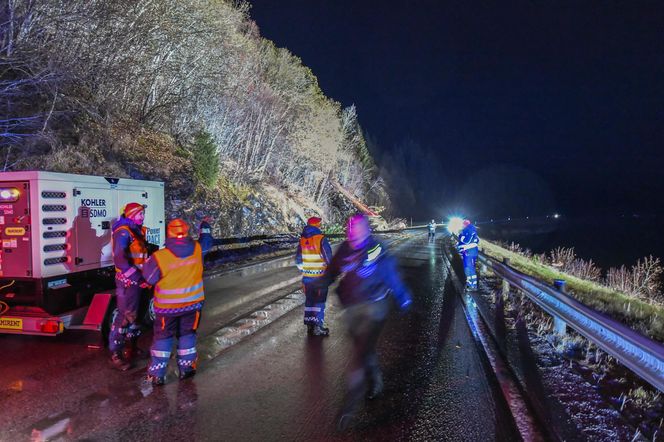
[370,281]
[205,238]
[130,250]
[313,255]
[177,275]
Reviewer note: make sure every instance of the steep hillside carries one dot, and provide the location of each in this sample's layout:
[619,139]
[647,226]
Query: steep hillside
[186,92]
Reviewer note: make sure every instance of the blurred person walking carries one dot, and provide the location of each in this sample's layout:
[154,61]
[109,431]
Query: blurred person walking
[370,282]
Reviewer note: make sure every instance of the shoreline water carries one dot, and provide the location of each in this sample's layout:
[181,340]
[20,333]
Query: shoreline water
[609,242]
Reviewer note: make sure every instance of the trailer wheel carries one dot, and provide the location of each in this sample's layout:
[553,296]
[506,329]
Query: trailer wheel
[111,313]
[149,317]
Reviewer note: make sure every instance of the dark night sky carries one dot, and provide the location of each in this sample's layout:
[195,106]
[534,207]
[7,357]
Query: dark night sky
[521,110]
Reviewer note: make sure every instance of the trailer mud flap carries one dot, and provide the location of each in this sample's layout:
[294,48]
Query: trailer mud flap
[97,311]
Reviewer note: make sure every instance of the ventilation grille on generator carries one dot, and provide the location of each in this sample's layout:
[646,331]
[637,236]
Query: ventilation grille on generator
[53,194]
[54,207]
[48,235]
[55,247]
[51,261]
[52,221]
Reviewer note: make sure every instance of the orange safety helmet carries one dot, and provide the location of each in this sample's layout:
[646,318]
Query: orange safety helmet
[132,209]
[314,221]
[177,228]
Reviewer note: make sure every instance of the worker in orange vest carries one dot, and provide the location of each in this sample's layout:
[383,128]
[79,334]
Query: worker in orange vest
[313,255]
[177,275]
[130,251]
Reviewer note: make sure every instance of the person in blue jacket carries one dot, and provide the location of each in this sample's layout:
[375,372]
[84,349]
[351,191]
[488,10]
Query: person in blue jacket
[313,255]
[370,283]
[468,249]
[205,238]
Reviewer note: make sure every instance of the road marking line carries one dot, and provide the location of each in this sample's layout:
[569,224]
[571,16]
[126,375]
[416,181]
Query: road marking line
[214,344]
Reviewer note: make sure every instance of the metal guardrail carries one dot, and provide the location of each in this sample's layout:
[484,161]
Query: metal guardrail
[642,355]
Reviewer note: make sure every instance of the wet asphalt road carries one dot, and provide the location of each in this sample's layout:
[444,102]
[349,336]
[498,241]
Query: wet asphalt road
[277,384]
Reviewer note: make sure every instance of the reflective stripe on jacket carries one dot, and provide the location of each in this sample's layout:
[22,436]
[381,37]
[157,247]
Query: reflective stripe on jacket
[137,252]
[313,264]
[468,241]
[181,283]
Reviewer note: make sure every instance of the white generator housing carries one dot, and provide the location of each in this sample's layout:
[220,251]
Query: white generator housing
[54,224]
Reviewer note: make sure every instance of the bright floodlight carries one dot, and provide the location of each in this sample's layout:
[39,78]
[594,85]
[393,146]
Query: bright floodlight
[556,216]
[455,225]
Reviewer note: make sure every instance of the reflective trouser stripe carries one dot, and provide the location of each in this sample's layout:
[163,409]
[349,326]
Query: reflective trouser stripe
[312,309]
[160,354]
[186,351]
[187,356]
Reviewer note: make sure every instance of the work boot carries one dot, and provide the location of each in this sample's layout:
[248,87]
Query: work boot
[133,351]
[349,411]
[119,362]
[155,380]
[346,419]
[187,374]
[376,385]
[319,330]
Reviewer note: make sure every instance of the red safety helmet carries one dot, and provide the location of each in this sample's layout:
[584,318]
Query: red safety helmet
[132,209]
[314,221]
[466,222]
[177,228]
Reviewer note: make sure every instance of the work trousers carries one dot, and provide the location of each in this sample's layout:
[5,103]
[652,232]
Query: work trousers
[469,270]
[125,324]
[314,303]
[167,328]
[365,322]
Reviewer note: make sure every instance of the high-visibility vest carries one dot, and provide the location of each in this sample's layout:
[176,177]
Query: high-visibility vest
[313,264]
[181,283]
[138,251]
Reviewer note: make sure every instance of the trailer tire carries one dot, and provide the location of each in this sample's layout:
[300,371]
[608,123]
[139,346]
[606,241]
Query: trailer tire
[111,313]
[149,316]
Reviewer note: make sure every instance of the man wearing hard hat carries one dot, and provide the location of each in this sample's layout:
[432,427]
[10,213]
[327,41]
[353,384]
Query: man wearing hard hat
[177,275]
[130,251]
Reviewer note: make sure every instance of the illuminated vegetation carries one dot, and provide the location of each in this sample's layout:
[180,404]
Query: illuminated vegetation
[646,317]
[127,87]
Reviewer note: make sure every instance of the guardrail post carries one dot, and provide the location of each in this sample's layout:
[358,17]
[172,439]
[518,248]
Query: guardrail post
[560,326]
[506,285]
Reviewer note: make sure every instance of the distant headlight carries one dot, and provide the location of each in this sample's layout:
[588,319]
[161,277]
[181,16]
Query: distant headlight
[455,225]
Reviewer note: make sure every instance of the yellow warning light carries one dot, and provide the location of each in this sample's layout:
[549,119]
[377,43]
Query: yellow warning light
[9,194]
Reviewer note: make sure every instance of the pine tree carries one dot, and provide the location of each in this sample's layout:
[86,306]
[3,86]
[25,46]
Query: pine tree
[206,159]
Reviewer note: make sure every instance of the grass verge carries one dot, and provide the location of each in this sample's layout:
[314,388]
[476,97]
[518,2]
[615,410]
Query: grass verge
[644,317]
